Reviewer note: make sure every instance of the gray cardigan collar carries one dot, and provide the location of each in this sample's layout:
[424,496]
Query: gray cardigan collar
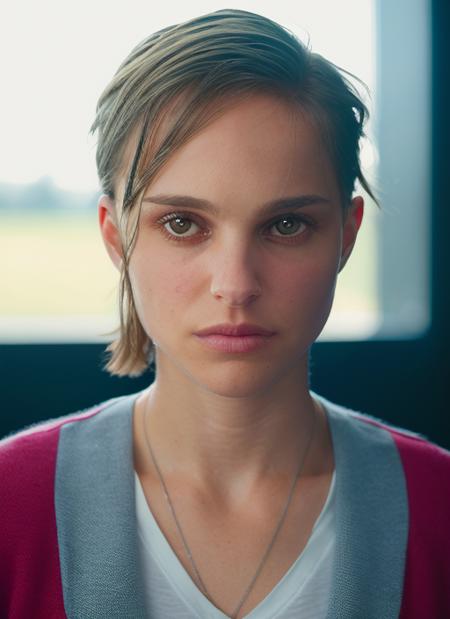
[96,519]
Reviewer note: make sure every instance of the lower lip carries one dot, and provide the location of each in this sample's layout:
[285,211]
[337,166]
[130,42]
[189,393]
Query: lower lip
[234,343]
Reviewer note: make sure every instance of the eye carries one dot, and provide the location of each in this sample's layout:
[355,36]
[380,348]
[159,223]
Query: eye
[179,224]
[288,225]
[182,226]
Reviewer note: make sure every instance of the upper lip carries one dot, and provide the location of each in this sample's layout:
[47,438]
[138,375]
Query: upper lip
[244,328]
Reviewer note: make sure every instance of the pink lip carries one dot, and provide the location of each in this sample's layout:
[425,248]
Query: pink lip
[242,329]
[233,343]
[230,338]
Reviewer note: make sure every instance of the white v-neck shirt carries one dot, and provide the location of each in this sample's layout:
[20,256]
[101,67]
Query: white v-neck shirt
[303,591]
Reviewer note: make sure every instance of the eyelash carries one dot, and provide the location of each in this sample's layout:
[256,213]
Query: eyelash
[188,217]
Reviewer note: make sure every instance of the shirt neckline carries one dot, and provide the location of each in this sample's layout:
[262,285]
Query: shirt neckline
[291,583]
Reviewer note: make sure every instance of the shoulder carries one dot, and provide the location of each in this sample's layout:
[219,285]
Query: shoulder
[414,448]
[28,464]
[404,436]
[30,453]
[425,464]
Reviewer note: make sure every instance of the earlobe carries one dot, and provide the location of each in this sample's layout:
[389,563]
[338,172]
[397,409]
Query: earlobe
[107,218]
[352,224]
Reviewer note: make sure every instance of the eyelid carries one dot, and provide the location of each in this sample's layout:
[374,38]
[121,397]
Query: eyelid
[291,213]
[184,214]
[196,219]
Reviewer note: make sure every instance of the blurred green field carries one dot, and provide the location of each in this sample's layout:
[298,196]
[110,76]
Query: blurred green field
[56,265]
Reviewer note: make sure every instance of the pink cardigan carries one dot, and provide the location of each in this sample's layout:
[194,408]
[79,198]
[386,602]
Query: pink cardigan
[49,497]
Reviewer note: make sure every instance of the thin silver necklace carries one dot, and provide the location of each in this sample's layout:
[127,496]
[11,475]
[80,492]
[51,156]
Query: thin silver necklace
[183,538]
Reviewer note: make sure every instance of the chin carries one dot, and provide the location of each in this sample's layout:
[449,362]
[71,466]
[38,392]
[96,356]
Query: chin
[243,379]
[235,389]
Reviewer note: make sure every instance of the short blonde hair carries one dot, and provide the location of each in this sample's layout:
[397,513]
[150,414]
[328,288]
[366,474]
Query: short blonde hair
[185,76]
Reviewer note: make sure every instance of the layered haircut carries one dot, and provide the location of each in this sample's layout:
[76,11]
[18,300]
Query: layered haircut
[177,81]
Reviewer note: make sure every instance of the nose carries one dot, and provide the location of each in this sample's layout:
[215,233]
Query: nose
[234,277]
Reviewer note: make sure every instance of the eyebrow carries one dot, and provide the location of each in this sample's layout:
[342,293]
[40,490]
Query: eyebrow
[273,206]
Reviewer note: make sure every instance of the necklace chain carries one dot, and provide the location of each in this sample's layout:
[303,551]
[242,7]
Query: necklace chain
[183,538]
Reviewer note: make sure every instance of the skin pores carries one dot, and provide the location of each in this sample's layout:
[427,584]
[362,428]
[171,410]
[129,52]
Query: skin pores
[238,265]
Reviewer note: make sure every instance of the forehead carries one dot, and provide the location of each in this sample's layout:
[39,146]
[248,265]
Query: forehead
[261,144]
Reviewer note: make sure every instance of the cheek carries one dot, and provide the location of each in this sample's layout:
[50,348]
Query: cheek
[160,287]
[307,289]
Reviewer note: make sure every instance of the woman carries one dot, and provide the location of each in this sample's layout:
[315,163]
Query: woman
[228,155]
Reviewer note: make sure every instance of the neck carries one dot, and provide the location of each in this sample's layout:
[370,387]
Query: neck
[230,443]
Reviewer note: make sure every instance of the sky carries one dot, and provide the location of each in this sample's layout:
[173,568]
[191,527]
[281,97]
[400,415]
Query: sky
[56,56]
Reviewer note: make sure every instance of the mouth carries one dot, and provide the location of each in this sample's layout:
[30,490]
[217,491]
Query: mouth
[234,343]
[239,330]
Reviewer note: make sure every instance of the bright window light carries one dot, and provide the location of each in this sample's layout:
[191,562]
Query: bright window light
[59,284]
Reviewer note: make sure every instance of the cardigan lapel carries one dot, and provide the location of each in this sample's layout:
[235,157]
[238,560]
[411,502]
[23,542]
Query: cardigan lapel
[96,519]
[95,514]
[371,518]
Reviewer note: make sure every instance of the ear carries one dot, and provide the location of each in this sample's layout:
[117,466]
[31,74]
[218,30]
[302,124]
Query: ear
[109,229]
[351,225]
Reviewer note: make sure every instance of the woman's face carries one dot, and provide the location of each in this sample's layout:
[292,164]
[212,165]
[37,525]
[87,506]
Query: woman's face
[235,260]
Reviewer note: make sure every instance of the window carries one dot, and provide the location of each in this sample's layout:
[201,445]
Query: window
[59,285]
